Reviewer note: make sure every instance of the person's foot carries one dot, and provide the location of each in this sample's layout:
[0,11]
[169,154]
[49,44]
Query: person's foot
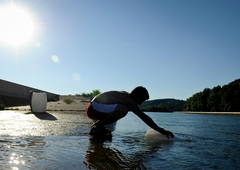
[101,133]
[94,131]
[94,123]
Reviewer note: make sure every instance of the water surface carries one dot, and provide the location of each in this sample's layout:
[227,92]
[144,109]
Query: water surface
[210,142]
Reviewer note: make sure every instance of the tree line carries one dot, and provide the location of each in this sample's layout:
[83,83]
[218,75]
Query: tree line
[217,99]
[163,105]
[164,108]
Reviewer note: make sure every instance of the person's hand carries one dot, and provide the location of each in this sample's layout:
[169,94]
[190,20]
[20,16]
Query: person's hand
[168,133]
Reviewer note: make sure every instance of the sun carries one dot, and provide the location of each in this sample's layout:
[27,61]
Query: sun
[16,25]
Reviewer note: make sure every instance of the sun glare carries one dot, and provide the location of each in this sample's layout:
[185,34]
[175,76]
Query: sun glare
[16,26]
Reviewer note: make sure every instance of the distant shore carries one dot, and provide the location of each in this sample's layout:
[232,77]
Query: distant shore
[80,104]
[210,113]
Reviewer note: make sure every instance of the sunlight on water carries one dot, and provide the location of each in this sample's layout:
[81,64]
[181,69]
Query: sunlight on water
[211,142]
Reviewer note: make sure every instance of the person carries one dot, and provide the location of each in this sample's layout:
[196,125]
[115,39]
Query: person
[110,106]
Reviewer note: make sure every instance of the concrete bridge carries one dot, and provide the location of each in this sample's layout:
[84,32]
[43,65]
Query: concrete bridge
[12,94]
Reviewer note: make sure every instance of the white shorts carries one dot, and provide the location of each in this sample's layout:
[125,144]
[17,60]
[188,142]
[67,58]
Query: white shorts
[105,108]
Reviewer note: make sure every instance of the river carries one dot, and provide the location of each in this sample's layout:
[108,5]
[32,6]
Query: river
[210,142]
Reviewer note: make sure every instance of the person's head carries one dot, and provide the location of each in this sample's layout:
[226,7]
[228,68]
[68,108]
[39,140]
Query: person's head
[139,94]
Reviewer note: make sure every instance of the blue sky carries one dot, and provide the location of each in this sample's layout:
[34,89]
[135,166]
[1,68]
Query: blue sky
[173,48]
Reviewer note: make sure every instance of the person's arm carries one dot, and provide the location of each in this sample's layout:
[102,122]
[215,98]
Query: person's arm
[153,125]
[145,118]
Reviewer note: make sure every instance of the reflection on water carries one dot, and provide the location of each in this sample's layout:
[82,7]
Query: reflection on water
[211,142]
[17,153]
[101,156]
[64,152]
[57,152]
[73,152]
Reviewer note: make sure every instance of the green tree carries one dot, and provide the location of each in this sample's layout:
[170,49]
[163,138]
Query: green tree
[204,99]
[95,92]
[214,100]
[230,97]
[225,99]
[195,102]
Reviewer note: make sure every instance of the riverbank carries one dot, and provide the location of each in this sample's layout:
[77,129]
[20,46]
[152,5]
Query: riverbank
[210,113]
[79,103]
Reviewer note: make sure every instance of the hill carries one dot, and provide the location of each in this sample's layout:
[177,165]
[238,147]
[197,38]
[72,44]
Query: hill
[163,105]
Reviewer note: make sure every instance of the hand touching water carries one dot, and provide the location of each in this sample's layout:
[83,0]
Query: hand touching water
[168,133]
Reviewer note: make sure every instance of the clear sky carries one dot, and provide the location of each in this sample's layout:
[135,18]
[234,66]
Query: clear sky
[174,48]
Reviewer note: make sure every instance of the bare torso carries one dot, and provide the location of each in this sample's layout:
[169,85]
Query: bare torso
[113,97]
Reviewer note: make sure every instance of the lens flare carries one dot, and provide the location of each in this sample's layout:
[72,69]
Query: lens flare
[38,44]
[76,76]
[55,59]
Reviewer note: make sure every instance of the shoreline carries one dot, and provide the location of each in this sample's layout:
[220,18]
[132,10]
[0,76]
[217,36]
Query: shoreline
[210,113]
[78,104]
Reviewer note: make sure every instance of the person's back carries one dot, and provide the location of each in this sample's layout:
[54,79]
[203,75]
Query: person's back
[112,97]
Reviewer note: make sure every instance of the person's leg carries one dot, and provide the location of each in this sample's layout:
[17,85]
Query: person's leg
[120,112]
[94,114]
